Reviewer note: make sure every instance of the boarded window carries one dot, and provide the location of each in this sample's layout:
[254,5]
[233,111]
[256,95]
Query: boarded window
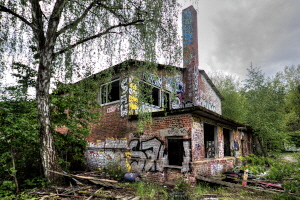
[209,141]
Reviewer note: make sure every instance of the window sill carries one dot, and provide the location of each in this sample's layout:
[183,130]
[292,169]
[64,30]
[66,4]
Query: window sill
[110,103]
[173,166]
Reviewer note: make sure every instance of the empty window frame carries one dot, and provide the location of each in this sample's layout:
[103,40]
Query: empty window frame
[210,140]
[150,94]
[175,151]
[227,141]
[110,92]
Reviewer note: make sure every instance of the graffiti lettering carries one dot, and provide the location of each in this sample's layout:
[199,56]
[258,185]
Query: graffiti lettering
[153,79]
[147,155]
[112,109]
[124,100]
[207,104]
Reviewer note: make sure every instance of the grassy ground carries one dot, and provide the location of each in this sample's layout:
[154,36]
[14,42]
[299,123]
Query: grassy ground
[284,168]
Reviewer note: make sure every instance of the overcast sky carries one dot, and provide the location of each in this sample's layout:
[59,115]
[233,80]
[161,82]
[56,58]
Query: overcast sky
[234,33]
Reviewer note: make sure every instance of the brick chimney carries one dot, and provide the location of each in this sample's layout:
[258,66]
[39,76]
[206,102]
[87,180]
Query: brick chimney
[190,57]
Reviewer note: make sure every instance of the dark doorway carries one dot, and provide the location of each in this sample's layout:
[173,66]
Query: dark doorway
[209,141]
[175,151]
[226,136]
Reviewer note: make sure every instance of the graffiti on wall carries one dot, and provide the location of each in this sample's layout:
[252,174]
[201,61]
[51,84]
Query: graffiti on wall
[187,156]
[112,109]
[173,132]
[151,155]
[221,142]
[124,100]
[215,168]
[98,154]
[147,155]
[133,100]
[207,104]
[196,86]
[99,158]
[187,28]
[208,97]
[197,139]
[152,79]
[177,88]
[144,156]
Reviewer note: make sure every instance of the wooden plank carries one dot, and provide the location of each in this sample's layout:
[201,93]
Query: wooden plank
[104,182]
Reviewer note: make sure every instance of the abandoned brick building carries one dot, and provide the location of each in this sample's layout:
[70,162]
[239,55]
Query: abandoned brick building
[188,135]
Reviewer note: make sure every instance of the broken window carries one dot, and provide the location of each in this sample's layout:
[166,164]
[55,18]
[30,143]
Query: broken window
[175,151]
[151,94]
[210,141]
[110,92]
[226,139]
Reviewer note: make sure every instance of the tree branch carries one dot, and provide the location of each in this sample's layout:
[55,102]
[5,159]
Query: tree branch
[107,31]
[79,19]
[111,11]
[5,9]
[54,20]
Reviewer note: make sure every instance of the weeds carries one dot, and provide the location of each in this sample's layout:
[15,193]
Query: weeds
[288,173]
[149,190]
[114,171]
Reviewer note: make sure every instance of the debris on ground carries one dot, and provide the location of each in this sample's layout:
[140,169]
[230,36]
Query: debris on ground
[88,186]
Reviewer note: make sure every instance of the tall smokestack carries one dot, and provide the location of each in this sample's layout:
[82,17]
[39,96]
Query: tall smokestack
[190,56]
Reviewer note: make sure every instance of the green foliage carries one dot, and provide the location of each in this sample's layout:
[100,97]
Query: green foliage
[74,107]
[19,150]
[181,185]
[114,171]
[233,105]
[68,39]
[265,108]
[256,160]
[256,164]
[199,190]
[288,173]
[149,190]
[280,170]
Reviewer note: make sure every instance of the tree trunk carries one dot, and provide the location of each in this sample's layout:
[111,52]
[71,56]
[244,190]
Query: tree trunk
[47,149]
[45,43]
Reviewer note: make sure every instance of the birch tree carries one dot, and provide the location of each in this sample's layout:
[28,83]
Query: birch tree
[63,38]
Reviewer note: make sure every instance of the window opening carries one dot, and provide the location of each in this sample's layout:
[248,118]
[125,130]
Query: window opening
[175,151]
[209,141]
[110,92]
[151,94]
[226,136]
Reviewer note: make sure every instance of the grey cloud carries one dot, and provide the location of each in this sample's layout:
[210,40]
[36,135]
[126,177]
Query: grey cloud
[264,32]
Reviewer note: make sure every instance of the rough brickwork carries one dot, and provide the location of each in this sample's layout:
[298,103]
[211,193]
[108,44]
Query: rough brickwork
[149,153]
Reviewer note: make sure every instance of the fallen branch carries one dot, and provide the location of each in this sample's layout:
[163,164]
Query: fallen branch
[93,194]
[103,182]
